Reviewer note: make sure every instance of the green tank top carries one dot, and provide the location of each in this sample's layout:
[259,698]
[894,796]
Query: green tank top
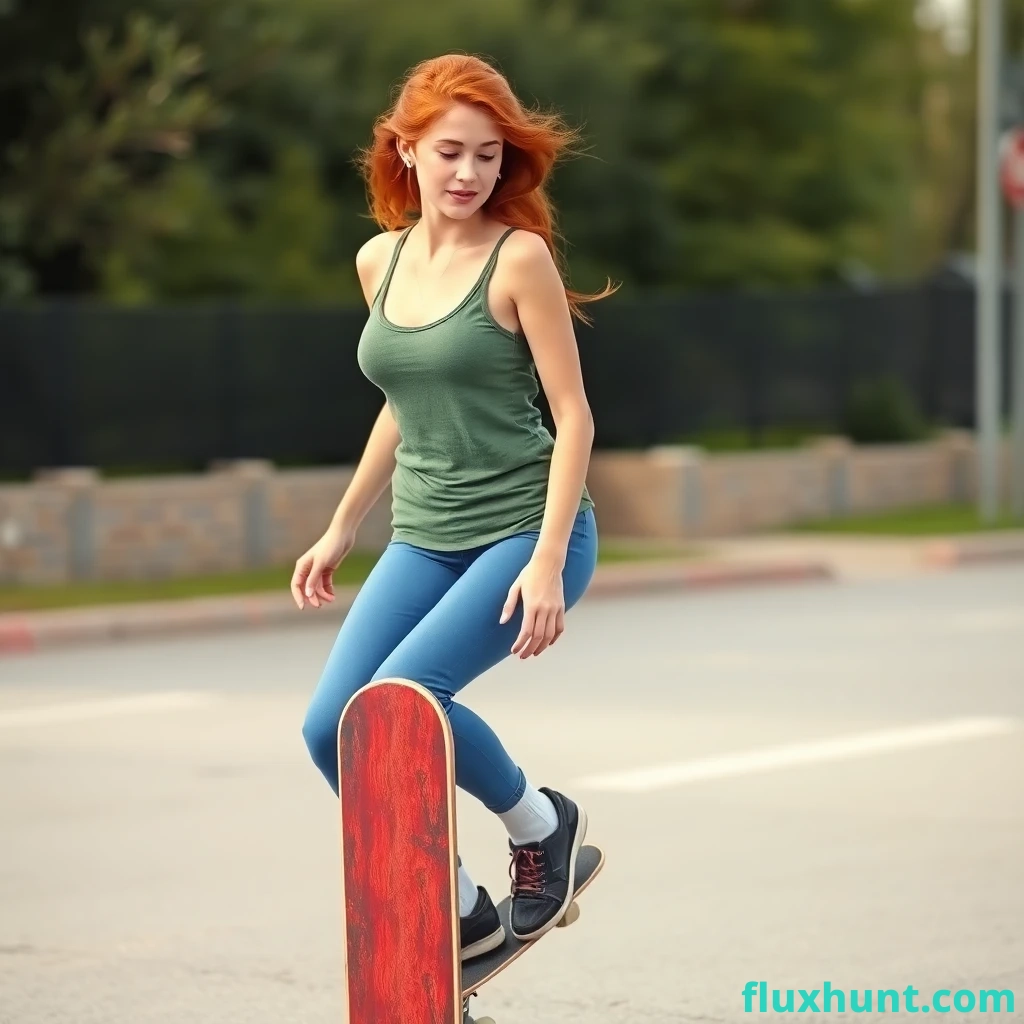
[473,462]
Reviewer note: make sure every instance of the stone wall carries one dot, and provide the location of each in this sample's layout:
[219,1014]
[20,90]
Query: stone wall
[73,524]
[685,492]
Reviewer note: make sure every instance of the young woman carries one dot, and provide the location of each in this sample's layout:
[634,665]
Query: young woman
[494,530]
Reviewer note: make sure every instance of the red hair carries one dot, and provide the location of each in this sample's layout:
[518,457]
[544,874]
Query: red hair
[534,141]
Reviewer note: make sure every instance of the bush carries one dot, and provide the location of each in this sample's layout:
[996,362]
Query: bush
[881,410]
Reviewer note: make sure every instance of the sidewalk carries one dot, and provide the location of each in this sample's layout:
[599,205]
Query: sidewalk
[729,562]
[862,556]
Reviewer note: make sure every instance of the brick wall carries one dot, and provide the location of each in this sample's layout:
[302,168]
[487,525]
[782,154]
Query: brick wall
[74,525]
[679,493]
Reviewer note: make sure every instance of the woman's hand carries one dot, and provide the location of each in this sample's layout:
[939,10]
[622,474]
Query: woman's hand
[313,579]
[540,585]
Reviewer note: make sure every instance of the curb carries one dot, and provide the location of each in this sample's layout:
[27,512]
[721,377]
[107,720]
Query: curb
[25,632]
[613,580]
[972,550]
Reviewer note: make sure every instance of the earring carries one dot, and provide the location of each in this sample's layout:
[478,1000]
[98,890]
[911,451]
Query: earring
[499,174]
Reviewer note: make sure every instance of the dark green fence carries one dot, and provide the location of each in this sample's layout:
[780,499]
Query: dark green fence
[178,387]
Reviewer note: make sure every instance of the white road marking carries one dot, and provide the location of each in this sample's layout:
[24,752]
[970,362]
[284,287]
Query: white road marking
[984,620]
[770,758]
[80,711]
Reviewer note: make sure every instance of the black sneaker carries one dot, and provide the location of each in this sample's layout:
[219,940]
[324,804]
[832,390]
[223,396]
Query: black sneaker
[542,873]
[481,931]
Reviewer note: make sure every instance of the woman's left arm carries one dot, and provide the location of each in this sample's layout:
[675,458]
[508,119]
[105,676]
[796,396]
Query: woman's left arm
[539,295]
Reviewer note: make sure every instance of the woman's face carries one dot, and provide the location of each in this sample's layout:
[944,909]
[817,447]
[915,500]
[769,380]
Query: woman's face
[458,161]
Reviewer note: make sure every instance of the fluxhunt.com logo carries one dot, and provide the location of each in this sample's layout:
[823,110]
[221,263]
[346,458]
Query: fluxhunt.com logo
[757,998]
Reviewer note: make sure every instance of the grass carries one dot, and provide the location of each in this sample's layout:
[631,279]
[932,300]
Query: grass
[70,595]
[353,570]
[734,439]
[913,522]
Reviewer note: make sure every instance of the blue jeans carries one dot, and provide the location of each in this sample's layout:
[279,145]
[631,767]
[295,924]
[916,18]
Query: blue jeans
[432,616]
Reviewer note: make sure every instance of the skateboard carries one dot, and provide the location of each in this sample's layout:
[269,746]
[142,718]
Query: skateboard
[396,770]
[399,864]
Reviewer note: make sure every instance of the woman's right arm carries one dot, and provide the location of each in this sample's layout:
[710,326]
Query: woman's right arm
[313,579]
[377,463]
[372,474]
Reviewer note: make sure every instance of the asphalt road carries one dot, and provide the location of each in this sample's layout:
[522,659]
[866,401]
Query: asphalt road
[796,785]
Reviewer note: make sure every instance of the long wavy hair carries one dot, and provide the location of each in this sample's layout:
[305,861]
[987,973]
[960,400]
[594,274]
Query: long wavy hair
[534,142]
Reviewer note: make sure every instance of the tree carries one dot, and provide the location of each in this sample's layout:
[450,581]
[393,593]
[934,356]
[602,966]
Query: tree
[98,133]
[188,148]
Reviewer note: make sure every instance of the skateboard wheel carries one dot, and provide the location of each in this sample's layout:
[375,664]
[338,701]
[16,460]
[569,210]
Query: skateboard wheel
[569,916]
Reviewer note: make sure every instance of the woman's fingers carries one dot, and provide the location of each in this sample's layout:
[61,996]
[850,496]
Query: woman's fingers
[525,631]
[541,633]
[298,585]
[547,636]
[325,585]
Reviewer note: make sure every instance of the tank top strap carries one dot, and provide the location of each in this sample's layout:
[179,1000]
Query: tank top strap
[488,270]
[383,289]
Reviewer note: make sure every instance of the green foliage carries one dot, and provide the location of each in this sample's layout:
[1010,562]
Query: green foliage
[189,148]
[101,137]
[778,129]
[881,411]
[268,237]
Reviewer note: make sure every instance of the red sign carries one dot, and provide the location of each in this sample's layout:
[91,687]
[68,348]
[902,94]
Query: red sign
[1011,166]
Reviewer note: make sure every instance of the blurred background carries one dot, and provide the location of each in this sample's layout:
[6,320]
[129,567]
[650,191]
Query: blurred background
[785,388]
[787,191]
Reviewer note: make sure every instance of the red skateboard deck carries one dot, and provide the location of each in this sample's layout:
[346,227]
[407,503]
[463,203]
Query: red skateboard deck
[399,866]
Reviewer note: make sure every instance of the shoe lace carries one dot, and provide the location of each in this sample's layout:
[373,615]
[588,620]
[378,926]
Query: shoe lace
[526,870]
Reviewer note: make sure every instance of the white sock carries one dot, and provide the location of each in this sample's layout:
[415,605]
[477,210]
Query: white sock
[532,819]
[467,893]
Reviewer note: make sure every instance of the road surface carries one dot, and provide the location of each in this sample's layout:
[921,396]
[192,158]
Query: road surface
[795,785]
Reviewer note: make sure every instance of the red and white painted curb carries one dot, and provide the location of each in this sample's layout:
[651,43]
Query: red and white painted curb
[23,632]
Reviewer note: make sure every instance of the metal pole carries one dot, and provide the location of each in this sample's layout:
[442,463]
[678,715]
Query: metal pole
[1017,471]
[987,316]
[1017,384]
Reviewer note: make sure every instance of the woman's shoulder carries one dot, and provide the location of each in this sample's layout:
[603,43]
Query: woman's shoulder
[521,241]
[372,261]
[524,250]
[525,261]
[378,248]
